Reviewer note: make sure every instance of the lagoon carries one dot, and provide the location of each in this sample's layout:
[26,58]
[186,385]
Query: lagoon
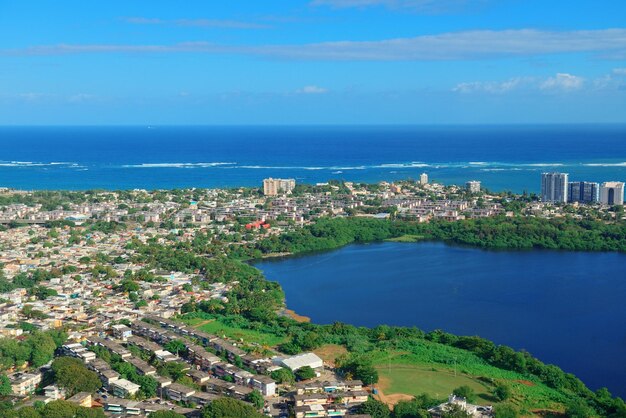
[566,308]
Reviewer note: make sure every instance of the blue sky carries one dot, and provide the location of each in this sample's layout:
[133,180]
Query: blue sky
[312,62]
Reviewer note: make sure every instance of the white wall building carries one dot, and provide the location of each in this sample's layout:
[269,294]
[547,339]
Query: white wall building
[612,193]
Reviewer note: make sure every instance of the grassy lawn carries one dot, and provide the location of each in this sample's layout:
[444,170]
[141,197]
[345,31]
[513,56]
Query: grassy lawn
[406,238]
[414,380]
[249,336]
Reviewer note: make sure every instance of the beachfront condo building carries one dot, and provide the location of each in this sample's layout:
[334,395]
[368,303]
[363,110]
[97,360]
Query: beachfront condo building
[612,193]
[554,187]
[274,187]
[473,186]
[583,192]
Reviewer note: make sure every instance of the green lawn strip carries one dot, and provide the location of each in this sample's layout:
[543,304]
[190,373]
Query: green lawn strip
[407,238]
[430,368]
[247,335]
[414,380]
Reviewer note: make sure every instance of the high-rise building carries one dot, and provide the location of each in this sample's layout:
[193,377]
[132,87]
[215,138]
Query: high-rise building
[423,178]
[273,187]
[583,192]
[554,187]
[473,186]
[612,193]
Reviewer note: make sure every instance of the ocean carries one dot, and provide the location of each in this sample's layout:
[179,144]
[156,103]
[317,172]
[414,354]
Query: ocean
[160,157]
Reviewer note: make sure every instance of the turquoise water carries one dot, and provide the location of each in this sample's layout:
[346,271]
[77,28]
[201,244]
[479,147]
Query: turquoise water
[566,308]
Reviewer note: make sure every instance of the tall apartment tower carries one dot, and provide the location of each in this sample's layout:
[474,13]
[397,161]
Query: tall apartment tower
[423,179]
[554,187]
[583,192]
[473,186]
[612,193]
[273,187]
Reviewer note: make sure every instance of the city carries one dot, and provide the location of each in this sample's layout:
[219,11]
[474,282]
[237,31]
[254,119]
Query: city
[75,265]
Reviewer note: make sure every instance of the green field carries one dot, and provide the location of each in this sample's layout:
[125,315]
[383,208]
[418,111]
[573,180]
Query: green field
[414,380]
[407,238]
[218,328]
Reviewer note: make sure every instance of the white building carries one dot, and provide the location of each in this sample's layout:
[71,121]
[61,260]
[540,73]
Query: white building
[273,187]
[612,193]
[554,187]
[302,360]
[473,186]
[423,178]
[124,388]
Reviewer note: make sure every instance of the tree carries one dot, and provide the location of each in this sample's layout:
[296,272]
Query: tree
[283,376]
[166,414]
[305,373]
[358,367]
[82,412]
[59,409]
[409,409]
[256,399]
[229,408]
[42,348]
[375,408]
[28,412]
[175,346]
[5,385]
[505,410]
[502,392]
[455,411]
[578,409]
[465,392]
[71,374]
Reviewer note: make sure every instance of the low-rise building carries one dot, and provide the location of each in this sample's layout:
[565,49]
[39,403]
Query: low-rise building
[123,388]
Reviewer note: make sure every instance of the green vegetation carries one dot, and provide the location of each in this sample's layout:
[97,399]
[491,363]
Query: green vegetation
[495,232]
[229,408]
[256,399]
[305,373]
[414,380]
[36,349]
[231,328]
[166,414]
[70,373]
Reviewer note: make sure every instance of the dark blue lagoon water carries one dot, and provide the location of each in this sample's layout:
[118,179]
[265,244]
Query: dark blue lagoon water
[566,308]
[503,157]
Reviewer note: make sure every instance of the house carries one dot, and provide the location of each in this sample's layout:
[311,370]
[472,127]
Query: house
[475,411]
[178,392]
[264,384]
[123,388]
[77,350]
[53,392]
[24,384]
[142,367]
[202,398]
[121,331]
[199,376]
[81,399]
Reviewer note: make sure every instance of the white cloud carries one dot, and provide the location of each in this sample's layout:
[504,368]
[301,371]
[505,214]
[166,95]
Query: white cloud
[468,45]
[425,6]
[206,23]
[312,90]
[495,87]
[563,82]
[80,98]
[619,71]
